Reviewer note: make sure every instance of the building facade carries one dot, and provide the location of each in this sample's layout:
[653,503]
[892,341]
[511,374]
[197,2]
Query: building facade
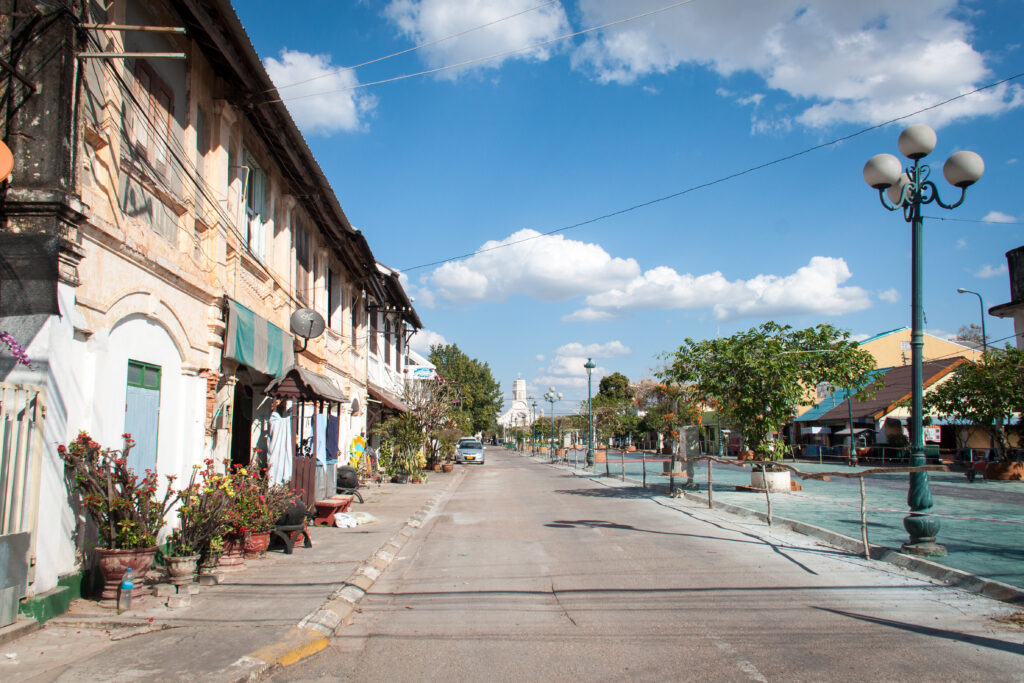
[164,220]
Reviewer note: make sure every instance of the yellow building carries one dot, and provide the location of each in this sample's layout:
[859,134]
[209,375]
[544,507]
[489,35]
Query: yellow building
[892,349]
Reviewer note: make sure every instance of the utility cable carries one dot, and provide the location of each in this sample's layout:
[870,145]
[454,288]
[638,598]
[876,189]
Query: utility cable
[973,220]
[488,58]
[411,49]
[718,181]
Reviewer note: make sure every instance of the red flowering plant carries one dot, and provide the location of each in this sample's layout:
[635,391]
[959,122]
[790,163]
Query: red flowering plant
[203,513]
[126,508]
[249,511]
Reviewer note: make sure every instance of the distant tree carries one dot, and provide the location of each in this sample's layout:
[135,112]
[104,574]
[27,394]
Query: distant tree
[616,386]
[986,393]
[480,393]
[970,335]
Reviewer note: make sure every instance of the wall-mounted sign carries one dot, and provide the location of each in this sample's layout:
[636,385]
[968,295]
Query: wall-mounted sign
[422,373]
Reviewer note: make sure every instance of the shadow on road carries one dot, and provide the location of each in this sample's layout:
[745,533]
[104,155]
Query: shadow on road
[980,641]
[604,524]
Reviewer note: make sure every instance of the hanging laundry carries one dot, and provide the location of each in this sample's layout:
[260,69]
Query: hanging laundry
[320,438]
[279,455]
[332,438]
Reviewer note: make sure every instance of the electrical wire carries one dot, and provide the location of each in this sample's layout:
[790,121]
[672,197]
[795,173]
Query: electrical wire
[488,58]
[973,220]
[412,49]
[717,181]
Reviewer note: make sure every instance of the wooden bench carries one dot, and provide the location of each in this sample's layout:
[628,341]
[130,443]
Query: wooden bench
[326,509]
[289,533]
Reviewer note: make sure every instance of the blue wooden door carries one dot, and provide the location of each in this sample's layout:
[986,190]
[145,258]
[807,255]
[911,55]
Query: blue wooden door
[142,415]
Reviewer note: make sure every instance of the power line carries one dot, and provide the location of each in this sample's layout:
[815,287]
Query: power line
[412,49]
[477,60]
[973,220]
[718,181]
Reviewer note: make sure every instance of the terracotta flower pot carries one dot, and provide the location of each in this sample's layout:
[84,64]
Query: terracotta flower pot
[112,565]
[256,544]
[1005,471]
[182,569]
[233,557]
[447,467]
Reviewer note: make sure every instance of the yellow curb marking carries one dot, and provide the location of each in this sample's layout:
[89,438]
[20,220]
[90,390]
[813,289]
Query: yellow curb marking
[295,646]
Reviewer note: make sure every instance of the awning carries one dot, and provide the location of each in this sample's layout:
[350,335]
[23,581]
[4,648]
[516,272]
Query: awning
[856,430]
[257,342]
[389,401]
[307,385]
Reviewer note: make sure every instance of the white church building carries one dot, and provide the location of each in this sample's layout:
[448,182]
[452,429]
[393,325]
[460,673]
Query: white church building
[518,415]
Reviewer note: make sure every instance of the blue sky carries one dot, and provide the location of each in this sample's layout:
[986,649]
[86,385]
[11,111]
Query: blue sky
[446,164]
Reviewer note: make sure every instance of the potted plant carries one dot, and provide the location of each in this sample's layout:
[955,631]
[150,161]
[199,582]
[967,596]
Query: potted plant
[404,434]
[202,517]
[126,509]
[250,518]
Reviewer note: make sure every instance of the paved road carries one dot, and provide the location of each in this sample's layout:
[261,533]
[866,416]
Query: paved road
[528,572]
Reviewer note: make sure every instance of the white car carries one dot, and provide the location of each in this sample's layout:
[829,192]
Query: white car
[469,450]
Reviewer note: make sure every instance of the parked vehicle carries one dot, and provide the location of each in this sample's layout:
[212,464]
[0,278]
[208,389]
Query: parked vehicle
[469,451]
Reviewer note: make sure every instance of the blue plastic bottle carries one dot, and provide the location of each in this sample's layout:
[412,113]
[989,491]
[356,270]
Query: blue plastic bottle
[124,598]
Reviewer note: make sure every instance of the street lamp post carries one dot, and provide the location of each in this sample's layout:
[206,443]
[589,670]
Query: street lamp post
[981,302]
[909,189]
[984,341]
[589,366]
[533,427]
[551,397]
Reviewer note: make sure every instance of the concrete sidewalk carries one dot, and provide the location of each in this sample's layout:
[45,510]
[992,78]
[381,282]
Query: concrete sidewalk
[276,611]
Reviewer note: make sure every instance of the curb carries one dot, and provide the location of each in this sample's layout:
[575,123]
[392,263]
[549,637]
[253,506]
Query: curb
[956,578]
[314,631]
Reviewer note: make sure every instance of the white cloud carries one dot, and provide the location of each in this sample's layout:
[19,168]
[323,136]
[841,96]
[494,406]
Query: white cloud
[840,61]
[424,339]
[548,268]
[814,288]
[607,350]
[891,295]
[998,217]
[961,243]
[987,271]
[316,106]
[539,358]
[566,370]
[424,21]
[860,336]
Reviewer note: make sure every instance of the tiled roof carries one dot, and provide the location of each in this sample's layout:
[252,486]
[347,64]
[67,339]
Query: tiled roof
[896,387]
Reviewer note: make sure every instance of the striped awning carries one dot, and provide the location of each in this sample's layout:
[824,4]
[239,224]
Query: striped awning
[257,342]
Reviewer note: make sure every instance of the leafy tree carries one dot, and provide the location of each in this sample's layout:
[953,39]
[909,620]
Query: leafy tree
[616,386]
[970,335]
[435,406]
[480,392]
[758,378]
[986,393]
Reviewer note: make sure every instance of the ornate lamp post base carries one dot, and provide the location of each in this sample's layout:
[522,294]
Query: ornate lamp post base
[922,530]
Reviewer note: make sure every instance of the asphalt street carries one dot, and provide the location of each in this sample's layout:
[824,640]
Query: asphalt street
[528,572]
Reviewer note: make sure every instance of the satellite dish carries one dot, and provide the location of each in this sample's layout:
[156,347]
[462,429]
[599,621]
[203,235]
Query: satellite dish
[308,324]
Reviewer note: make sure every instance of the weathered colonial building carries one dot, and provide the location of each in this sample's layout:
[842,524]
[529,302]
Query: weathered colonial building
[163,221]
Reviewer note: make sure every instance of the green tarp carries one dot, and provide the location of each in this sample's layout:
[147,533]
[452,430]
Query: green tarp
[257,342]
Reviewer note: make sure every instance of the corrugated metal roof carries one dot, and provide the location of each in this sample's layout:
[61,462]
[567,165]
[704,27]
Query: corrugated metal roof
[896,387]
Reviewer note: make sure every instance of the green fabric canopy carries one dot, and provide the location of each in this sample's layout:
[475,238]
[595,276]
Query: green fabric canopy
[257,342]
